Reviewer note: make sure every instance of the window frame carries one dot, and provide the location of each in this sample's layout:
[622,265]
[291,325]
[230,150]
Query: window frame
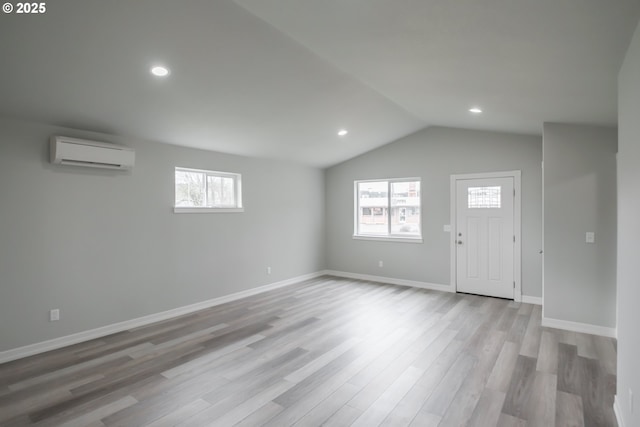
[389,237]
[237,192]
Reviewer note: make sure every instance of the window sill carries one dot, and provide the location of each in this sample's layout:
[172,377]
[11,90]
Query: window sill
[207,210]
[389,239]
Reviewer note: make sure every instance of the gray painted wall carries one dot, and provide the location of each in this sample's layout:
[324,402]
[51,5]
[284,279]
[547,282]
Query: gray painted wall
[629,233]
[433,154]
[105,246]
[580,196]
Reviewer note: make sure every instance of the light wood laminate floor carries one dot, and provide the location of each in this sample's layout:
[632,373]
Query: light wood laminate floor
[331,352]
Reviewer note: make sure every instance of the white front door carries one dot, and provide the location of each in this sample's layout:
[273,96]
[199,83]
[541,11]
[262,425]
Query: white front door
[484,236]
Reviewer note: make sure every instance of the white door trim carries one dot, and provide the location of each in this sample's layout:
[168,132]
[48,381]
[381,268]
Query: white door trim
[517,228]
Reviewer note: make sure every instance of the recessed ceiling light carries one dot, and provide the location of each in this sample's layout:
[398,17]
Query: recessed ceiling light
[475,110]
[160,71]
[342,132]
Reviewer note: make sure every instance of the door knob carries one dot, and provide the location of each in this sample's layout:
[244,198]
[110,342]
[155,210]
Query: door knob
[459,242]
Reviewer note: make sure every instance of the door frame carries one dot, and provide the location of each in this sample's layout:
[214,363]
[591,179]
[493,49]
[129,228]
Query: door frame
[517,226]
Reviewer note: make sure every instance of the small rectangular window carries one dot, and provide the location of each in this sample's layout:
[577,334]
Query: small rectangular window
[388,209]
[484,197]
[207,191]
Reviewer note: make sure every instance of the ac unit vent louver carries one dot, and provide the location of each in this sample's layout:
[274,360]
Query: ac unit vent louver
[80,152]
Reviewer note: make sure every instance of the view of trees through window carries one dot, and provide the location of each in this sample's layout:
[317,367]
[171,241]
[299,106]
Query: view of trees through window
[206,189]
[388,208]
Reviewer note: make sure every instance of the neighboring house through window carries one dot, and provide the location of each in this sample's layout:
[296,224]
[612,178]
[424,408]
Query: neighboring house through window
[388,209]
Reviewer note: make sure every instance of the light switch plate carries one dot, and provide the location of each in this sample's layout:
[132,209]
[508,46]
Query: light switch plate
[447,227]
[590,237]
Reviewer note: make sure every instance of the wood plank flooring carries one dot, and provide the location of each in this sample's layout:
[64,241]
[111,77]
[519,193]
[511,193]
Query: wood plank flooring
[331,352]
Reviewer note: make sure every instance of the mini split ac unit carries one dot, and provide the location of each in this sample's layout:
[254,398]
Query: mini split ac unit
[80,152]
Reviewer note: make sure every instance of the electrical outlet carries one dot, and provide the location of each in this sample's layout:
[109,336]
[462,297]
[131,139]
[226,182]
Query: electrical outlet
[54,315]
[630,401]
[380,264]
[268,270]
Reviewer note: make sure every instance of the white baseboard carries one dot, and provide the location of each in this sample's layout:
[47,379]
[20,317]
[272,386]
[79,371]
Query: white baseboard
[390,280]
[531,300]
[585,328]
[618,411]
[41,347]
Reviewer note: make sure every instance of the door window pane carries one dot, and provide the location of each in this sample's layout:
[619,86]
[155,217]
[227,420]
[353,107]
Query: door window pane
[484,197]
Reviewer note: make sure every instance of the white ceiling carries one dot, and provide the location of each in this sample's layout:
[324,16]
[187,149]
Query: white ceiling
[279,78]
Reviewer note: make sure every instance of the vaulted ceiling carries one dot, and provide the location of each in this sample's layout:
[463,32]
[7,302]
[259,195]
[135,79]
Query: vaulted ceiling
[279,78]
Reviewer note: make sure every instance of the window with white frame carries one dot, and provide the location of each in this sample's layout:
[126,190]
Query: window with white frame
[207,191]
[388,208]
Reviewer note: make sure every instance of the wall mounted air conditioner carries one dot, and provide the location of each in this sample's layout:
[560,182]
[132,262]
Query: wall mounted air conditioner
[80,152]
